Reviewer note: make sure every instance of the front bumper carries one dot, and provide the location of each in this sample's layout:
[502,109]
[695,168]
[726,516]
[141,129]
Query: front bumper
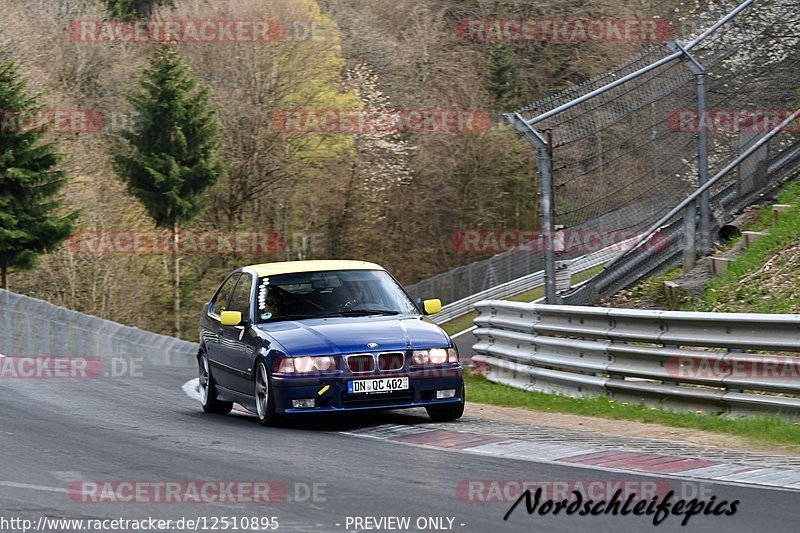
[335,398]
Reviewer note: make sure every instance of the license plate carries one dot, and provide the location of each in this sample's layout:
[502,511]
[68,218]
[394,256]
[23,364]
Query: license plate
[377,385]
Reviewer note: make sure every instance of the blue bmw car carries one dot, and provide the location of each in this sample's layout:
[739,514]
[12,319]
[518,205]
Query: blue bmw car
[305,337]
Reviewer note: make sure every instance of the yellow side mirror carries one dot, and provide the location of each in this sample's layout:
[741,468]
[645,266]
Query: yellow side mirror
[230,318]
[431,307]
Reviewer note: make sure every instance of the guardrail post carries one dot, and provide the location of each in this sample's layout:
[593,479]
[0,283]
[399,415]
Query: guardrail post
[563,275]
[671,347]
[735,350]
[689,240]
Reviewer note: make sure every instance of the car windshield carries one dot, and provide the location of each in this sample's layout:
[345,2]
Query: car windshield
[303,295]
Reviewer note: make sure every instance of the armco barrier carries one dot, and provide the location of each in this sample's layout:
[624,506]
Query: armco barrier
[31,327]
[678,360]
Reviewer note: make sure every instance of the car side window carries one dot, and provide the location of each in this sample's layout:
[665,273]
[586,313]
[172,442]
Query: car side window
[240,301]
[220,302]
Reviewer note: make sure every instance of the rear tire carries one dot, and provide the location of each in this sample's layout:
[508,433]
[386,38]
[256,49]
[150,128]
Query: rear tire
[208,392]
[446,413]
[265,400]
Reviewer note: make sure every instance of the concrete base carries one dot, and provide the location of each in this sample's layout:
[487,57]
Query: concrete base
[778,209]
[673,293]
[749,237]
[718,265]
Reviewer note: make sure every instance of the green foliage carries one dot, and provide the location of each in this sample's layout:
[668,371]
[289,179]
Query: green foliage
[319,88]
[651,289]
[30,180]
[173,156]
[133,9]
[763,278]
[504,78]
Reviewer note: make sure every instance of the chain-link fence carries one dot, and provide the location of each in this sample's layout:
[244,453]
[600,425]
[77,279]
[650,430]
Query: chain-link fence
[632,267]
[629,145]
[479,276]
[31,327]
[625,157]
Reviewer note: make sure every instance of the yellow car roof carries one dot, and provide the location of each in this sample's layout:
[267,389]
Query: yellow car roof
[290,267]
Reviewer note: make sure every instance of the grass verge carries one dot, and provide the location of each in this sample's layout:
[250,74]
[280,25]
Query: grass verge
[763,429]
[763,279]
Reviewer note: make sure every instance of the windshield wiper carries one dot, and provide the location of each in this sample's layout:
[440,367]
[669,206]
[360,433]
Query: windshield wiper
[352,312]
[358,312]
[290,317]
[365,312]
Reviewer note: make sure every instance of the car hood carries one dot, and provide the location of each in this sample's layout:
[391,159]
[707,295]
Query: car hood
[330,336]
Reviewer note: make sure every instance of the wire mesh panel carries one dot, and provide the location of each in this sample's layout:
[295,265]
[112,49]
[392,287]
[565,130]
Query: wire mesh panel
[623,158]
[467,280]
[633,148]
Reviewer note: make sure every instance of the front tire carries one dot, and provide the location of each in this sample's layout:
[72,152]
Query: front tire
[265,400]
[208,390]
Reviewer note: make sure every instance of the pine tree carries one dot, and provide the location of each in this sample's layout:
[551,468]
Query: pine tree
[172,157]
[504,75]
[31,221]
[133,9]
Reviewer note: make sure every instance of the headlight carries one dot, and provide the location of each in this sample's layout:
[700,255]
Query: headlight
[306,364]
[434,356]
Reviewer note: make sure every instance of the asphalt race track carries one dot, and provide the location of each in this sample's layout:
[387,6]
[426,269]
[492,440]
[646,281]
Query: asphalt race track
[57,434]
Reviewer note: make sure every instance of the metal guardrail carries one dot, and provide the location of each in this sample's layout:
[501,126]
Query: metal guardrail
[677,360]
[527,283]
[31,327]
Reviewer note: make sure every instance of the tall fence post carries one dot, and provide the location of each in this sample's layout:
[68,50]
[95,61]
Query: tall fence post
[548,219]
[702,144]
[545,201]
[702,162]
